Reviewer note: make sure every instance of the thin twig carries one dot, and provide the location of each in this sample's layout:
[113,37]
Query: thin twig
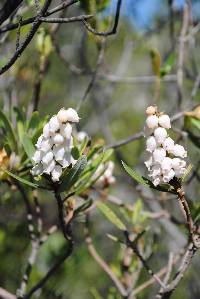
[109,32]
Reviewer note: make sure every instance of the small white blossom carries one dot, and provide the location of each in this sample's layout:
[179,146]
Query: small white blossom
[72,115]
[151,144]
[37,157]
[54,124]
[59,151]
[48,157]
[149,163]
[37,169]
[49,167]
[168,144]
[155,171]
[157,181]
[152,121]
[46,130]
[81,136]
[180,172]
[58,139]
[160,135]
[159,154]
[56,173]
[164,121]
[166,164]
[66,131]
[168,176]
[179,151]
[46,145]
[39,141]
[62,115]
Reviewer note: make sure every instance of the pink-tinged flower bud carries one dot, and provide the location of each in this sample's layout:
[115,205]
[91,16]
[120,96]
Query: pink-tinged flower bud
[168,145]
[62,115]
[179,151]
[151,110]
[54,124]
[159,154]
[160,135]
[72,115]
[58,139]
[152,121]
[151,144]
[164,121]
[56,173]
[48,157]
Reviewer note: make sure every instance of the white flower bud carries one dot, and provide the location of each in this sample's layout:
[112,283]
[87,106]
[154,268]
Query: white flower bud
[49,167]
[37,157]
[168,144]
[67,160]
[147,132]
[159,154]
[72,115]
[178,163]
[58,139]
[66,131]
[157,181]
[46,145]
[149,163]
[164,121]
[46,130]
[39,141]
[59,152]
[48,157]
[62,115]
[180,172]
[166,164]
[152,121]
[37,169]
[155,171]
[160,135]
[54,124]
[168,176]
[151,144]
[81,136]
[179,151]
[56,173]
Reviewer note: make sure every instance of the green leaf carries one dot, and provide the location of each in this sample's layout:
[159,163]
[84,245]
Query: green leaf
[34,121]
[73,175]
[20,122]
[139,179]
[75,153]
[110,215]
[187,172]
[9,131]
[83,207]
[28,146]
[144,181]
[21,180]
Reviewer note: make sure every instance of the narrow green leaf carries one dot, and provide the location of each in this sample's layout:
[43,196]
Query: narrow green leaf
[73,175]
[139,179]
[144,181]
[20,122]
[9,130]
[34,121]
[24,181]
[187,172]
[110,215]
[28,146]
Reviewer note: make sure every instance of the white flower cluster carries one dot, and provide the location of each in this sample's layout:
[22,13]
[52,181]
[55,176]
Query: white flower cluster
[166,157]
[107,177]
[55,144]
